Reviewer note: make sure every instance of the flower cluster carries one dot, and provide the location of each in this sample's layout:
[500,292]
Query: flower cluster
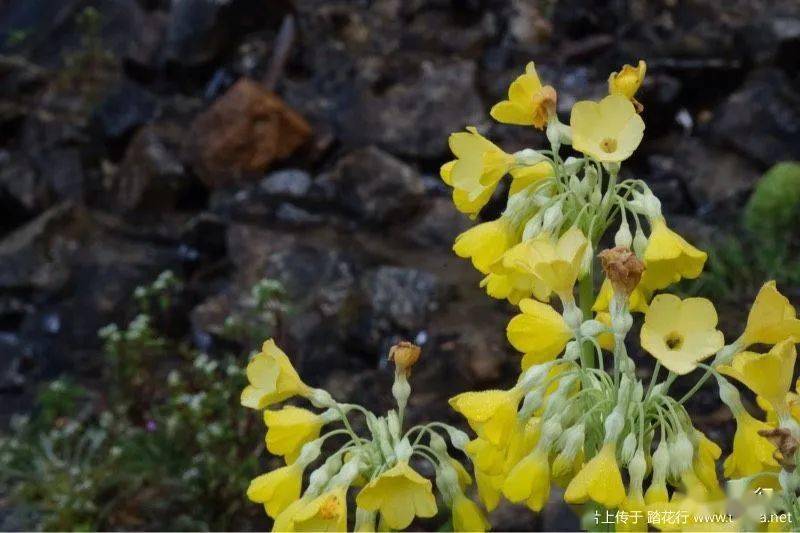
[379,468]
[578,415]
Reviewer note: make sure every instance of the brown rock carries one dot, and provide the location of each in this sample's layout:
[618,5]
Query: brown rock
[242,133]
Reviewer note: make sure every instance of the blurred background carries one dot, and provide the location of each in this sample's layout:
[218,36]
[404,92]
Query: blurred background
[180,180]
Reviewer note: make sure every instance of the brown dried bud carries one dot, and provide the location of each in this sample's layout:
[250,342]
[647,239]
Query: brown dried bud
[404,354]
[623,269]
[786,446]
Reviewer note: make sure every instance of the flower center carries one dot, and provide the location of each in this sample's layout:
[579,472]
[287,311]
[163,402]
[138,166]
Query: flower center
[329,509]
[608,145]
[674,341]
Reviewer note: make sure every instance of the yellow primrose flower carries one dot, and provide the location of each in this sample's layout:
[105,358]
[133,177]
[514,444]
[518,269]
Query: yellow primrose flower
[772,318]
[599,480]
[668,258]
[627,81]
[506,287]
[465,201]
[680,333]
[464,479]
[285,519]
[704,464]
[399,493]
[489,486]
[529,481]
[467,516]
[486,457]
[608,131]
[523,177]
[540,332]
[327,512]
[768,375]
[491,413]
[512,276]
[752,453]
[637,301]
[272,378]
[289,429]
[486,242]
[529,103]
[605,340]
[277,489]
[636,517]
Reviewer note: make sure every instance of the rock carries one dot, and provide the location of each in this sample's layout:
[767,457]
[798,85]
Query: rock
[774,38]
[761,119]
[286,184]
[21,81]
[372,185]
[242,133]
[124,109]
[437,225]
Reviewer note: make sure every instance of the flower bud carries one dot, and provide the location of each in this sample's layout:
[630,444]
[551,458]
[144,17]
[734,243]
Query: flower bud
[593,328]
[639,242]
[437,443]
[660,462]
[529,157]
[573,316]
[637,467]
[458,438]
[729,395]
[552,217]
[572,351]
[622,268]
[321,398]
[586,261]
[652,206]
[613,426]
[309,452]
[573,164]
[404,354]
[402,450]
[533,227]
[623,237]
[628,448]
[681,453]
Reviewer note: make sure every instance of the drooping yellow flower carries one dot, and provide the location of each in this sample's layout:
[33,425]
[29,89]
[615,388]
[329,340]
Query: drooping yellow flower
[468,202]
[627,81]
[489,488]
[752,453]
[506,287]
[467,516]
[277,489]
[512,276]
[680,333]
[487,457]
[529,481]
[491,413]
[400,494]
[772,318]
[289,429]
[599,480]
[540,332]
[608,131]
[285,519]
[768,375]
[326,512]
[486,242]
[529,103]
[464,479]
[522,177]
[705,466]
[635,513]
[668,258]
[272,378]
[637,301]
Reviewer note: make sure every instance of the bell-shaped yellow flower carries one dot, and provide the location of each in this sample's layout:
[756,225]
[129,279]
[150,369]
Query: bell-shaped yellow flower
[768,375]
[627,81]
[489,486]
[400,494]
[326,512]
[540,332]
[637,301]
[680,333]
[486,456]
[599,480]
[468,202]
[772,318]
[704,464]
[529,481]
[506,287]
[272,378]
[608,131]
[635,513]
[285,519]
[668,258]
[512,276]
[289,429]
[522,177]
[277,489]
[529,103]
[491,413]
[486,242]
[752,453]
[467,516]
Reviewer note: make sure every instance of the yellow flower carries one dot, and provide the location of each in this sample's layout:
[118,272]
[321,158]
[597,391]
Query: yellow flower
[608,131]
[285,519]
[506,286]
[528,104]
[464,479]
[636,514]
[529,481]
[289,429]
[705,466]
[486,242]
[277,489]
[768,375]
[272,378]
[637,301]
[491,413]
[540,332]
[486,457]
[752,453]
[327,512]
[605,340]
[464,201]
[680,333]
[399,493]
[627,81]
[772,318]
[523,177]
[467,516]
[599,480]
[489,488]
[668,258]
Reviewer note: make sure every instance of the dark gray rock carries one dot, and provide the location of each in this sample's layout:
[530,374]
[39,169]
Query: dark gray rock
[289,183]
[437,225]
[124,109]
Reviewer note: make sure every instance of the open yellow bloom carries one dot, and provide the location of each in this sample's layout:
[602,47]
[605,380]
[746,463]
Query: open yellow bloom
[289,429]
[599,480]
[399,494]
[540,332]
[277,489]
[507,287]
[680,333]
[608,131]
[327,512]
[637,301]
[465,201]
[486,242]
[512,276]
[668,258]
[529,103]
[768,375]
[752,453]
[772,318]
[272,378]
[627,81]
[491,413]
[529,481]
[467,516]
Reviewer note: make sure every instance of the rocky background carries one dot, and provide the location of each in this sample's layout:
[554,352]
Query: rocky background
[300,140]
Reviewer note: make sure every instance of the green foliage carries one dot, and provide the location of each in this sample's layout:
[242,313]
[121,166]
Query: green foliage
[163,446]
[774,207]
